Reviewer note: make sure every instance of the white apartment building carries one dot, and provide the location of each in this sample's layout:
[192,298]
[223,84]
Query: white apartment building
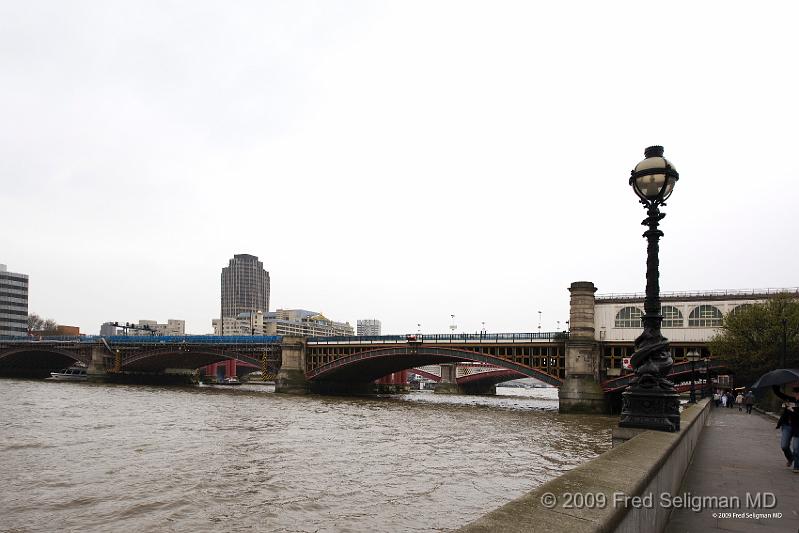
[172,327]
[243,324]
[290,322]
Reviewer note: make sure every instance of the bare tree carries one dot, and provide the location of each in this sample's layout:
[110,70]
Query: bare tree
[37,323]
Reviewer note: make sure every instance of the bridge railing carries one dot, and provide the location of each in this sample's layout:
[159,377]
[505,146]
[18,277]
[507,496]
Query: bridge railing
[445,337]
[149,339]
[194,339]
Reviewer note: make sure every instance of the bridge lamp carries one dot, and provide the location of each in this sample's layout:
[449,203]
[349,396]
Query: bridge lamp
[693,356]
[650,401]
[653,178]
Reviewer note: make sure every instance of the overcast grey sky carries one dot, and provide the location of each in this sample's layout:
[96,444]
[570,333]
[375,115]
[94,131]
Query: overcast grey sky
[398,160]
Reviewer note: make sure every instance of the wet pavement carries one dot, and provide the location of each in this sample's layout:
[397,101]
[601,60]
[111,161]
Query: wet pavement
[738,455]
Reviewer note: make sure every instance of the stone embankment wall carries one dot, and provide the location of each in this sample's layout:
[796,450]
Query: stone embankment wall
[591,497]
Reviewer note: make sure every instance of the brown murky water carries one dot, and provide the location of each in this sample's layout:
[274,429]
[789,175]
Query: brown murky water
[83,457]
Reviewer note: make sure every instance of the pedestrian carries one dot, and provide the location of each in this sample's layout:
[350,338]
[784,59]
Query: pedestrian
[739,401]
[724,399]
[789,426]
[716,397]
[730,398]
[749,401]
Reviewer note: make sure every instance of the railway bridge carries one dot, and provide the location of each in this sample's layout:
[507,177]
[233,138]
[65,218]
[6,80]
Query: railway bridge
[572,362]
[321,364]
[125,357]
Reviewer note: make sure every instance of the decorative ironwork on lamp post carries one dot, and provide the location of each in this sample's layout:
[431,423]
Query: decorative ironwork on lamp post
[650,401]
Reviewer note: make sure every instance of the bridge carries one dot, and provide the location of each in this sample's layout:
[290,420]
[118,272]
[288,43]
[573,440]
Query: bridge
[316,364]
[113,358]
[324,362]
[680,372]
[348,363]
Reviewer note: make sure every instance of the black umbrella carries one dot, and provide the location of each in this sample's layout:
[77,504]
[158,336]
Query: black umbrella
[781,376]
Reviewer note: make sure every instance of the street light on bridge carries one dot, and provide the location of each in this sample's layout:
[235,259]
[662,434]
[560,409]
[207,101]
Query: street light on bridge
[650,401]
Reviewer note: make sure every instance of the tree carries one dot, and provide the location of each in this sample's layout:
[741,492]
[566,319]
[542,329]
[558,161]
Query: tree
[754,337]
[37,323]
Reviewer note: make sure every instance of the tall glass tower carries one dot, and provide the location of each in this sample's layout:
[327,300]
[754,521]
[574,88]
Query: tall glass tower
[245,286]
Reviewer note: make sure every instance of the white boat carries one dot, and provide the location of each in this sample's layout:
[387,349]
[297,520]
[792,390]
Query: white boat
[73,373]
[230,381]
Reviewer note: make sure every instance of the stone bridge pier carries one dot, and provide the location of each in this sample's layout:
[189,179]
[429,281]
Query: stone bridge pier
[448,383]
[581,391]
[97,369]
[291,376]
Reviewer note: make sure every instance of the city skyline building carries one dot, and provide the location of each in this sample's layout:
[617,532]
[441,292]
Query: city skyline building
[291,322]
[244,287]
[13,302]
[304,323]
[172,327]
[244,324]
[368,327]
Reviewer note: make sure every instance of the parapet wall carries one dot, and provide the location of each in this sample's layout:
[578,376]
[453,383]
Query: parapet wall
[597,496]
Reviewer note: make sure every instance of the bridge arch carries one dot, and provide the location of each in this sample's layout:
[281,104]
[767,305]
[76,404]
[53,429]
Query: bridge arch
[38,361]
[372,364]
[182,357]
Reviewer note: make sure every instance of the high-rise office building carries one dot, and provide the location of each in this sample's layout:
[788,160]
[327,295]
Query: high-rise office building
[13,303]
[245,286]
[370,328]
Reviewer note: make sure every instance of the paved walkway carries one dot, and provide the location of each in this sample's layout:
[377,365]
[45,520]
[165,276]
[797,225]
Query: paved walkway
[739,453]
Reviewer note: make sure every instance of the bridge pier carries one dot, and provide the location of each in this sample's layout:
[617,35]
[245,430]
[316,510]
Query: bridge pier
[291,376]
[581,391]
[478,389]
[449,382]
[96,370]
[394,383]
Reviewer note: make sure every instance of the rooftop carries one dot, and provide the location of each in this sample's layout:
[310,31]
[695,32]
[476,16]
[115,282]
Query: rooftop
[725,294]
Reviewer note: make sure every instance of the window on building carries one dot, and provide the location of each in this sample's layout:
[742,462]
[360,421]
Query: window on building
[705,316]
[629,317]
[740,308]
[672,318]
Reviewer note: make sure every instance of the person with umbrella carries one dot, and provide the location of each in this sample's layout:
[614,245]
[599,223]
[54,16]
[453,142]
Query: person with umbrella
[789,424]
[789,420]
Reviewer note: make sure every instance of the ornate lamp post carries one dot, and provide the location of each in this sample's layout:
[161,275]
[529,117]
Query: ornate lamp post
[650,401]
[693,356]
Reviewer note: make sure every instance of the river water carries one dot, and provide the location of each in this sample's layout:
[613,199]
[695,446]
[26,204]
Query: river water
[99,458]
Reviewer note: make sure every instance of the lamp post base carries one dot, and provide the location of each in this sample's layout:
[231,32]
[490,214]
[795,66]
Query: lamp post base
[650,409]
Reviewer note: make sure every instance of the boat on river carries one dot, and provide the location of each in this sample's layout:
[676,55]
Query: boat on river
[230,381]
[73,373]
